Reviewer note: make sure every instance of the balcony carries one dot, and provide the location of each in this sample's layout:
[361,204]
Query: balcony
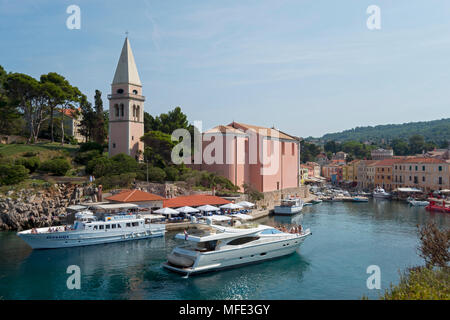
[126,96]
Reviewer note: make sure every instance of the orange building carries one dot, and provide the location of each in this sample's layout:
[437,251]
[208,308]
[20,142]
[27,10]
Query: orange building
[384,173]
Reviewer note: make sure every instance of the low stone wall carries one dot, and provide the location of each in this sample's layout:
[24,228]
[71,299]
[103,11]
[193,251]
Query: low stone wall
[273,198]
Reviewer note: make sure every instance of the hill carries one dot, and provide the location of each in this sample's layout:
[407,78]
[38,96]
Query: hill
[436,131]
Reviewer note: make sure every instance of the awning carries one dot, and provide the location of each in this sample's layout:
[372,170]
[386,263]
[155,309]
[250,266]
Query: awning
[187,209]
[167,211]
[231,206]
[208,208]
[408,190]
[116,206]
[246,204]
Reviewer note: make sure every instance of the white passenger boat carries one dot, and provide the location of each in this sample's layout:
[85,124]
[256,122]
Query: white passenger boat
[380,193]
[226,247]
[289,207]
[88,230]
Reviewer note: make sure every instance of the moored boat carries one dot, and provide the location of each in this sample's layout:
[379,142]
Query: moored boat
[360,199]
[434,206]
[417,203]
[380,193]
[289,207]
[88,230]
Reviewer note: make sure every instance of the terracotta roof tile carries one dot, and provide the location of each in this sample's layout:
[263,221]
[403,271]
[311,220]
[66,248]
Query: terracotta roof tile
[194,201]
[135,196]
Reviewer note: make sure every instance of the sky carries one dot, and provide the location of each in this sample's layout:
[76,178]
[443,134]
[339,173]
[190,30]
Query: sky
[306,67]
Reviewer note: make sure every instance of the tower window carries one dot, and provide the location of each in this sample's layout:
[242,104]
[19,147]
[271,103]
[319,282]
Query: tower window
[135,92]
[122,112]
[116,107]
[114,145]
[120,91]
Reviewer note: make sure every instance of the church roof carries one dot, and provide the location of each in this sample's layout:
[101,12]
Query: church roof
[126,71]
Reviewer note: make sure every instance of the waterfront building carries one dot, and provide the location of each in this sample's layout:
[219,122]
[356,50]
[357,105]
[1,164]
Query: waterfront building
[380,154]
[365,174]
[304,173]
[443,154]
[126,108]
[332,172]
[384,173]
[428,174]
[264,158]
[138,197]
[315,172]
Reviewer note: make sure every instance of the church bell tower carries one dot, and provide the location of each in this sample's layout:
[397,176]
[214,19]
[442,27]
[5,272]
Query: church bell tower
[126,108]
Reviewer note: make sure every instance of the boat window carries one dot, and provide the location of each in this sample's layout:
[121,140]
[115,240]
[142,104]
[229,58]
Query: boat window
[108,226]
[101,227]
[242,240]
[271,231]
[119,226]
[95,227]
[135,224]
[128,224]
[113,226]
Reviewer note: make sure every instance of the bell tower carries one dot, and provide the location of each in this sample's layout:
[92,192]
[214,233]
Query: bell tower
[126,108]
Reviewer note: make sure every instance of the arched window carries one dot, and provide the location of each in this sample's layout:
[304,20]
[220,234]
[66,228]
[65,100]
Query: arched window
[122,110]
[137,113]
[116,108]
[134,110]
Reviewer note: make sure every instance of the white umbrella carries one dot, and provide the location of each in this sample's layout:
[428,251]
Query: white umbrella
[167,211]
[231,206]
[219,218]
[246,204]
[208,208]
[187,209]
[242,216]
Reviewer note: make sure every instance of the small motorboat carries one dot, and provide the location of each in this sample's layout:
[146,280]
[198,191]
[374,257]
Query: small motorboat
[379,193]
[417,203]
[360,199]
[316,201]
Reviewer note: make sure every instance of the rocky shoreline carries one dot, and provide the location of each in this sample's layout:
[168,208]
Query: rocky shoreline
[25,209]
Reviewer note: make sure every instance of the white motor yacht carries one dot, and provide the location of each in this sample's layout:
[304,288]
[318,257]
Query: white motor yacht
[226,247]
[380,193]
[417,203]
[289,207]
[88,230]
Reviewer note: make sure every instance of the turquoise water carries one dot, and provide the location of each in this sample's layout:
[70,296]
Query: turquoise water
[331,264]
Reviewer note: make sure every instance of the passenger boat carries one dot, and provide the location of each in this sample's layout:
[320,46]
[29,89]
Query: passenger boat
[89,230]
[416,203]
[289,207]
[226,247]
[381,194]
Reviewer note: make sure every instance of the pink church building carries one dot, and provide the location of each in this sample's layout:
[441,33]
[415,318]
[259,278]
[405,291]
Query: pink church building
[126,108]
[264,158]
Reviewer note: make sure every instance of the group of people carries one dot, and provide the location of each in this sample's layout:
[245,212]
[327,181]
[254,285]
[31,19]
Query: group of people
[294,229]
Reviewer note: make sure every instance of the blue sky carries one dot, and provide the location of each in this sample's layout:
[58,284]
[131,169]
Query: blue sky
[307,67]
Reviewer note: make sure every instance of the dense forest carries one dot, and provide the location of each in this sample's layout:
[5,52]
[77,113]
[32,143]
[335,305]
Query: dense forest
[437,131]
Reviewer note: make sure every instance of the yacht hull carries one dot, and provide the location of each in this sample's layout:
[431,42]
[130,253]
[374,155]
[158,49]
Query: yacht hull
[77,239]
[232,258]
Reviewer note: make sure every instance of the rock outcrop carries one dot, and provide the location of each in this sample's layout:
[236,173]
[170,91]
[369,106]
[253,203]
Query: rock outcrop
[25,209]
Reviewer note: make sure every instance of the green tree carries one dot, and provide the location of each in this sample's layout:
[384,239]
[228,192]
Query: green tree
[416,144]
[158,150]
[52,82]
[88,118]
[400,147]
[10,119]
[100,132]
[12,174]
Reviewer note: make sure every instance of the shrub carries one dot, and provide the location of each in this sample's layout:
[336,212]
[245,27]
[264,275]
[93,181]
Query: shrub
[103,166]
[86,156]
[87,146]
[57,166]
[172,173]
[156,174]
[29,154]
[31,163]
[117,181]
[12,174]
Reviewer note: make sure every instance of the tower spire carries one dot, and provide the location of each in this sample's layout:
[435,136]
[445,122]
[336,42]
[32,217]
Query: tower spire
[126,71]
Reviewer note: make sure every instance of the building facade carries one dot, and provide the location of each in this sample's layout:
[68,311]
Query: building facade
[126,108]
[380,154]
[264,158]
